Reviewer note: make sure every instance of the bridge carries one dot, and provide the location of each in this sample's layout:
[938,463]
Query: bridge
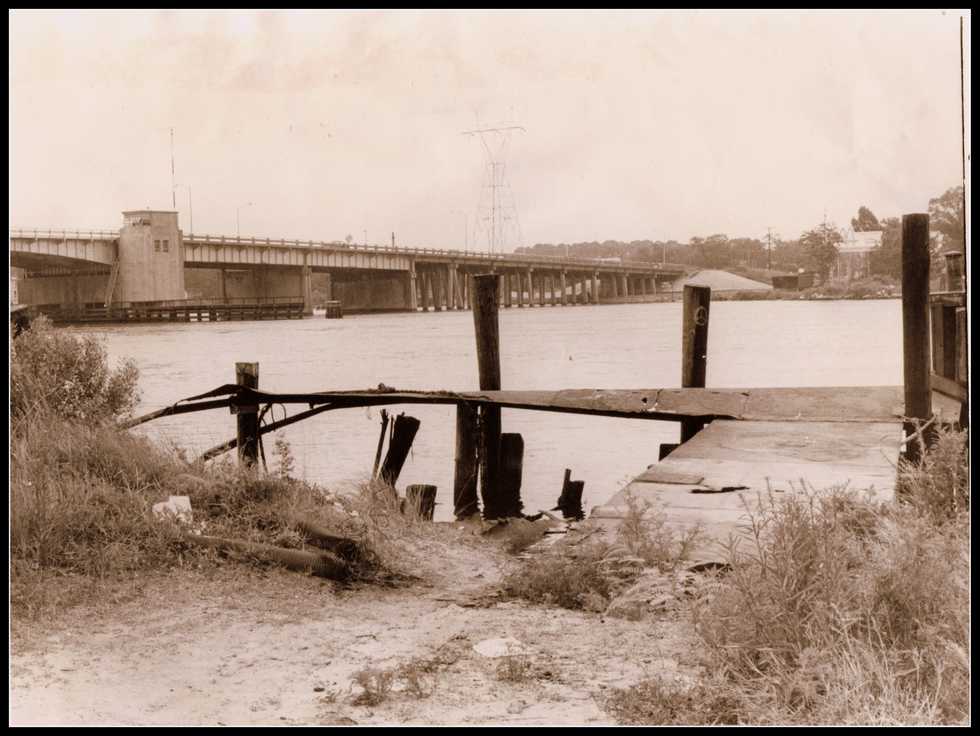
[151,260]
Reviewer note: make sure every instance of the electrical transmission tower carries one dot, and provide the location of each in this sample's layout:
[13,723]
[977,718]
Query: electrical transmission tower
[497,210]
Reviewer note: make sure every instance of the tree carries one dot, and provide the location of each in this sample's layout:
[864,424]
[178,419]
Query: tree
[946,218]
[865,221]
[886,259]
[820,248]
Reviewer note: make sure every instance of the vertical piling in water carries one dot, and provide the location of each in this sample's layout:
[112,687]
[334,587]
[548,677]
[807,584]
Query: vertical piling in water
[511,473]
[485,308]
[402,436]
[694,344]
[467,462]
[247,420]
[915,327]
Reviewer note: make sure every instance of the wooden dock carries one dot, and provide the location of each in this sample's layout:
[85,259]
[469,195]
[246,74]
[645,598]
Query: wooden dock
[174,311]
[727,468]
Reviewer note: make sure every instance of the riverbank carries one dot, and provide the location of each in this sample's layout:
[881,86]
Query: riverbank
[115,619]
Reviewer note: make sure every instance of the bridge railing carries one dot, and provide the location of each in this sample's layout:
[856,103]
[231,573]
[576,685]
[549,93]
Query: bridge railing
[194,239]
[37,233]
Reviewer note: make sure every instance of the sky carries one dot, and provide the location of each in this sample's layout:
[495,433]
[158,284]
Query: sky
[635,125]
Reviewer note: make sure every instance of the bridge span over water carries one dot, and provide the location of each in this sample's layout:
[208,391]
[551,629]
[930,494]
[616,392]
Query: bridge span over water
[150,259]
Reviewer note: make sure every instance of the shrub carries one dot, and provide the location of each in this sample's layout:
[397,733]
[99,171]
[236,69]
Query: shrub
[53,371]
[938,485]
[841,610]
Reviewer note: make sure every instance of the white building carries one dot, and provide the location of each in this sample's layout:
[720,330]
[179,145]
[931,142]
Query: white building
[854,255]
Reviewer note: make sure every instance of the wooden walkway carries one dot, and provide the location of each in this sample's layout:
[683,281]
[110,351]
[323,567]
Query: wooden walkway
[716,476]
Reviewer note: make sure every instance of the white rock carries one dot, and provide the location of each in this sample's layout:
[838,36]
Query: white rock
[175,508]
[494,648]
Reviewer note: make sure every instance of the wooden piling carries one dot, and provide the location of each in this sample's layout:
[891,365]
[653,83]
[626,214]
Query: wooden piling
[247,374]
[694,360]
[421,500]
[915,326]
[511,473]
[467,462]
[402,435]
[485,321]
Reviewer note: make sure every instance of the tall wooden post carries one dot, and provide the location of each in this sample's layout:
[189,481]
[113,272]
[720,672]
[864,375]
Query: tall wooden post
[694,341]
[485,308]
[467,462]
[564,289]
[915,326]
[511,472]
[247,374]
[595,288]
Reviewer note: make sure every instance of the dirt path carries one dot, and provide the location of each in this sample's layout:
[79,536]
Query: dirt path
[244,646]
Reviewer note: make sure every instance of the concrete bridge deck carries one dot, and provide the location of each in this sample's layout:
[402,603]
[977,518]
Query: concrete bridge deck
[150,259]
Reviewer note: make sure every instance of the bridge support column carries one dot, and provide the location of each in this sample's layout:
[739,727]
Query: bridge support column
[426,291]
[614,285]
[643,285]
[530,288]
[584,295]
[411,290]
[506,285]
[564,289]
[307,290]
[595,288]
[625,284]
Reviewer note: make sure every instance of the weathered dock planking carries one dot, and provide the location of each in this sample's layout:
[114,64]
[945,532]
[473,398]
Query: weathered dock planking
[836,404]
[716,477]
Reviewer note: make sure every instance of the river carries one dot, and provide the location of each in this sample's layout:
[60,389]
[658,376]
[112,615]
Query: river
[760,343]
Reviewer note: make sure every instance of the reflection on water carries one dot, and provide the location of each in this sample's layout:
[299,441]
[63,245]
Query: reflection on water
[766,343]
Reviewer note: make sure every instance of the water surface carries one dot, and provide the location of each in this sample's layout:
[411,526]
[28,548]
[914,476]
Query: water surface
[750,344]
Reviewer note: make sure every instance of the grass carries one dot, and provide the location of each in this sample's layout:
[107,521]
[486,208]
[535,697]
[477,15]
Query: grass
[838,610]
[82,490]
[589,575]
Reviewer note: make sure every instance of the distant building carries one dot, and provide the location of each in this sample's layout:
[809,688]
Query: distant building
[854,255]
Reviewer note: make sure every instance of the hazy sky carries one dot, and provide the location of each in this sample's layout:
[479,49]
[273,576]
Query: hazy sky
[638,124]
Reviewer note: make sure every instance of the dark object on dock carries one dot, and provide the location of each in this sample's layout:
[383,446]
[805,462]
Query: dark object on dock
[21,317]
[421,499]
[570,500]
[321,564]
[381,442]
[486,289]
[333,310]
[511,472]
[666,448]
[694,362]
[402,437]
[247,374]
[915,329]
[467,470]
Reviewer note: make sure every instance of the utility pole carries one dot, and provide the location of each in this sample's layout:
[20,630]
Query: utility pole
[173,185]
[393,241]
[769,236]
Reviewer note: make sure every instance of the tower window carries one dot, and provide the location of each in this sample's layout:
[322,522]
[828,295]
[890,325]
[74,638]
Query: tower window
[166,246]
[156,245]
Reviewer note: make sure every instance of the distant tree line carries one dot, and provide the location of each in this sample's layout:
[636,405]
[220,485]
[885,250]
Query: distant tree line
[815,250]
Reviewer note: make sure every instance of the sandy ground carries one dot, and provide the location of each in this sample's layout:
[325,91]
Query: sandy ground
[237,645]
